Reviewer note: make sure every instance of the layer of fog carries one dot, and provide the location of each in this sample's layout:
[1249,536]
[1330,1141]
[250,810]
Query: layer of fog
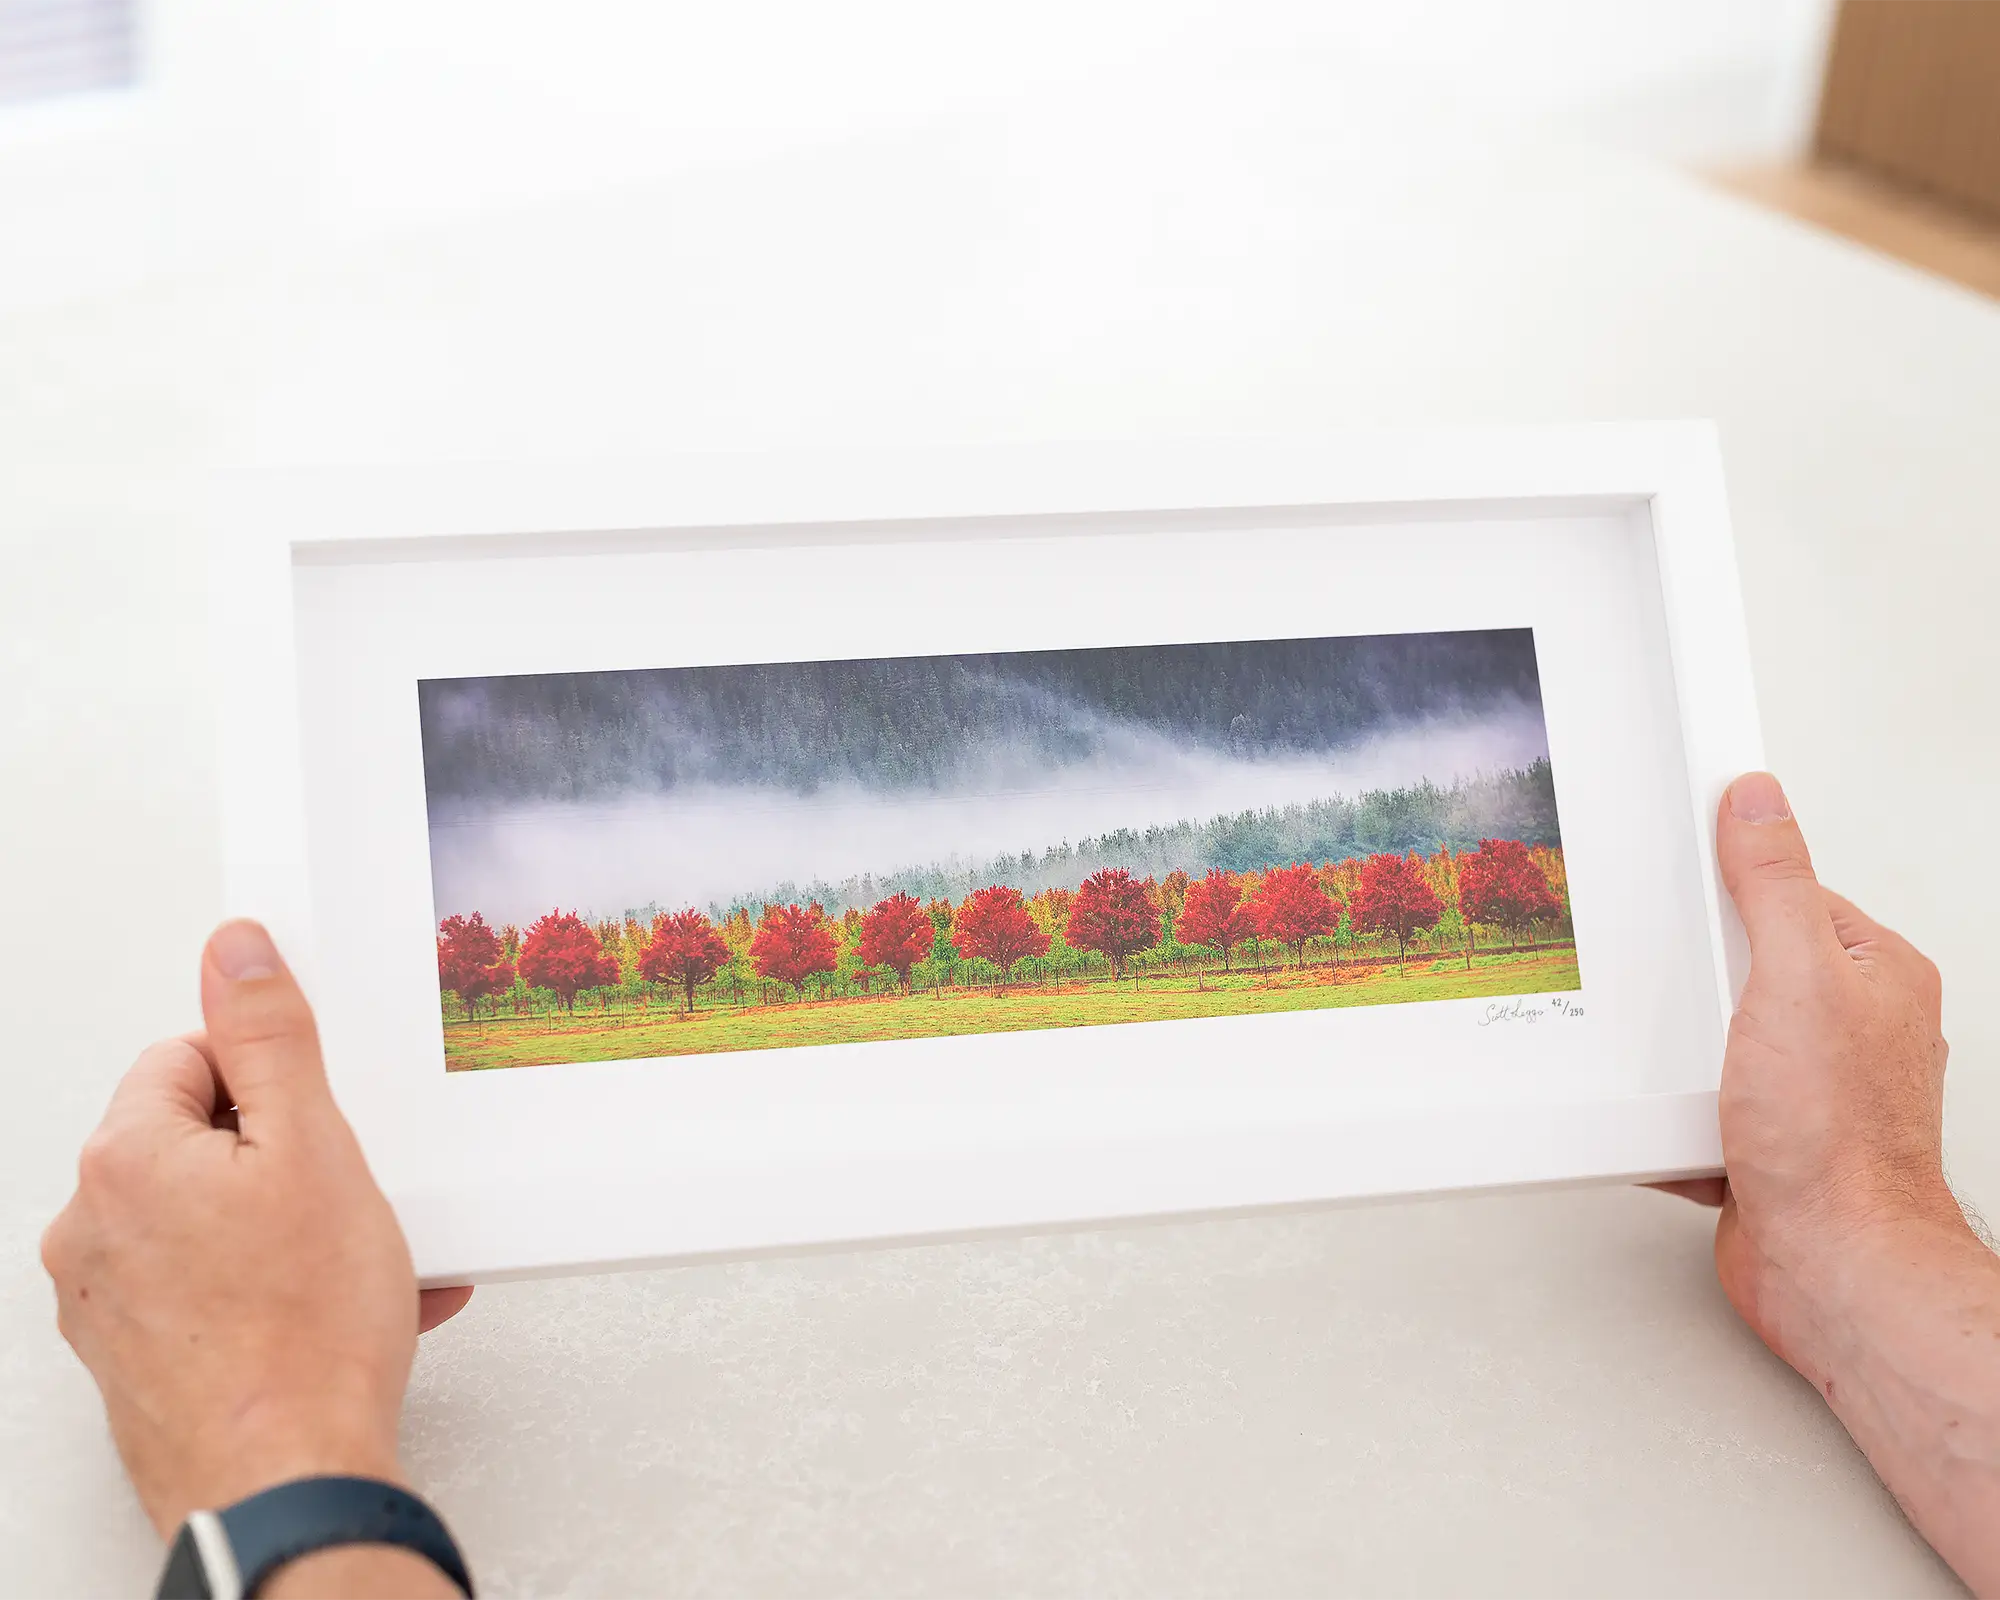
[697,845]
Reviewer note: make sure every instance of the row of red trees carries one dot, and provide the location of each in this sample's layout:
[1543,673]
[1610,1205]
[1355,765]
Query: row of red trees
[1111,913]
[1499,884]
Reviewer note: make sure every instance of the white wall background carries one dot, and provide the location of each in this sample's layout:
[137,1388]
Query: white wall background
[273,126]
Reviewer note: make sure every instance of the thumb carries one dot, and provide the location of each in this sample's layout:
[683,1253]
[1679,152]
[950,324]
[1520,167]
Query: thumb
[1769,874]
[260,1028]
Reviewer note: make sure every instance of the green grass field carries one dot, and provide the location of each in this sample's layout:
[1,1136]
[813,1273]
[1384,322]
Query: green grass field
[535,1041]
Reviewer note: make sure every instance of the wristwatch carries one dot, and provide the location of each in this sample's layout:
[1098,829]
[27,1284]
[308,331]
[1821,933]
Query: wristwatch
[227,1555]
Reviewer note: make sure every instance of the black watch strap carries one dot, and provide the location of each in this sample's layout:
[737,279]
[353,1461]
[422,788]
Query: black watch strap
[227,1555]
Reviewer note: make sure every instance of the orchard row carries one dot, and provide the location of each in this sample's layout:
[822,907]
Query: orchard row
[1112,924]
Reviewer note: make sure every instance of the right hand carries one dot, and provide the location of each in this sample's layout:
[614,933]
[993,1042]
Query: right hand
[1832,1098]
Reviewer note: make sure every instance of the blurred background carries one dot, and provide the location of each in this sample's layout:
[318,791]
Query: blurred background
[140,137]
[405,231]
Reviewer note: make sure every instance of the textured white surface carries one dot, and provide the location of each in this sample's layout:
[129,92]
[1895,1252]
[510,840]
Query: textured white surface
[1532,1394]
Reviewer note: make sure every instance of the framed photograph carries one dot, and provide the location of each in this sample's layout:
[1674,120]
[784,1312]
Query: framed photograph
[715,856]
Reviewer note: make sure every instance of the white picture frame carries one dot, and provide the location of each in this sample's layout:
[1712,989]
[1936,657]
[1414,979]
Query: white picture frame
[319,579]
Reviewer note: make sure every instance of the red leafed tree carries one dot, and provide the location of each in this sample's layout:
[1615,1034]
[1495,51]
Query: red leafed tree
[792,945]
[1214,913]
[1113,915]
[1291,907]
[994,924]
[896,934]
[685,950]
[561,953]
[1499,883]
[472,963]
[1393,897]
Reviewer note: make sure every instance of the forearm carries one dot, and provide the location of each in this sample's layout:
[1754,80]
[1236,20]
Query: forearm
[360,1572]
[1902,1336]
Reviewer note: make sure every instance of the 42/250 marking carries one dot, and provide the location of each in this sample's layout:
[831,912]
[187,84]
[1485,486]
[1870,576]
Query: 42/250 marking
[1531,1011]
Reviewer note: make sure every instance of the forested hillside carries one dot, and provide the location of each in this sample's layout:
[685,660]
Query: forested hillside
[941,722]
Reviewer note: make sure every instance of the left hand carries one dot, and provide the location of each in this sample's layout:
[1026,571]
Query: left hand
[227,1269]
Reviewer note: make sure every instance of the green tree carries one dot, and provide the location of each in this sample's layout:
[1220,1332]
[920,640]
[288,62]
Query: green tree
[944,957]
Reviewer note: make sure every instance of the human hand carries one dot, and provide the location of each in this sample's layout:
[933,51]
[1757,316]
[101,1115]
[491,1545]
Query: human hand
[1832,1097]
[234,1280]
[1839,1240]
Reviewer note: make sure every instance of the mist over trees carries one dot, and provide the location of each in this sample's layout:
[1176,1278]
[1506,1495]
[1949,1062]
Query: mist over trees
[1424,818]
[944,722]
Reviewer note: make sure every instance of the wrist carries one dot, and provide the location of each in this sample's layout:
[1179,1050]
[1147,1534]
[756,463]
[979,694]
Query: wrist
[323,1535]
[1899,1337]
[347,1572]
[1834,1290]
[1859,1215]
[234,1465]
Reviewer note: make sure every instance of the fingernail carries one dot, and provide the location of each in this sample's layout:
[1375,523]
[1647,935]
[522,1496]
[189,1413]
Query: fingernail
[1756,797]
[243,951]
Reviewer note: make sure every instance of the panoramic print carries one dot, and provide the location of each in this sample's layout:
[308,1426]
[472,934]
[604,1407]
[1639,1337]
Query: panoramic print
[700,859]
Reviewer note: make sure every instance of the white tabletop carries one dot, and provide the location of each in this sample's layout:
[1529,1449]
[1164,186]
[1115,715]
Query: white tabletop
[1530,1394]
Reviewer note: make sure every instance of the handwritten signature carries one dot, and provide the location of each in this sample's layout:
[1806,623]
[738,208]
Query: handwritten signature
[1530,1011]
